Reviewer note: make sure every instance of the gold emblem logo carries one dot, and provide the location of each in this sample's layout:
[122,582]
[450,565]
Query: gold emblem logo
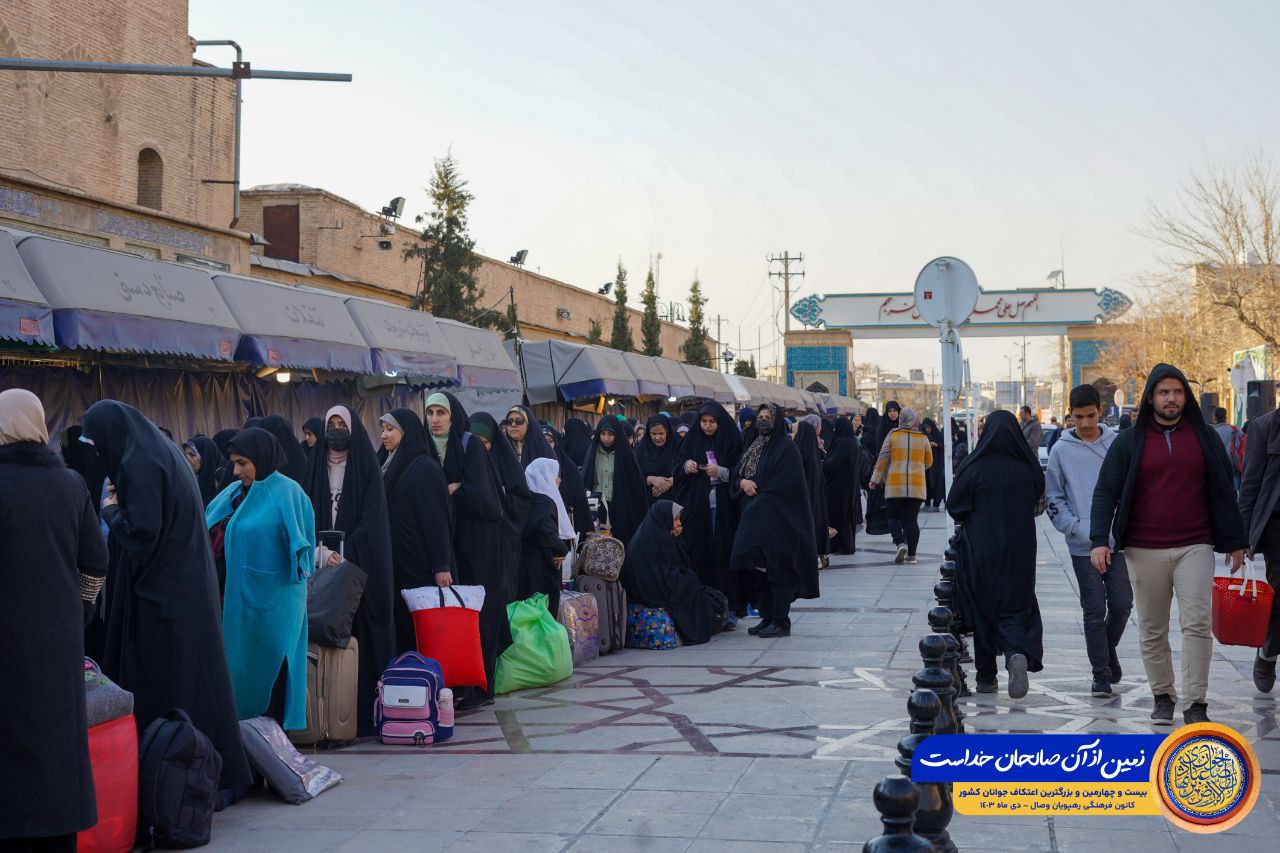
[1206,777]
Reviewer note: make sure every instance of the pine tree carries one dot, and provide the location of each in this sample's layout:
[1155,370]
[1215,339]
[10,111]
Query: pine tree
[650,326]
[448,286]
[742,367]
[595,335]
[620,338]
[694,349]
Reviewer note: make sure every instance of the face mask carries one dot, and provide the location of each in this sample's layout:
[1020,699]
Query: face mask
[339,439]
[764,427]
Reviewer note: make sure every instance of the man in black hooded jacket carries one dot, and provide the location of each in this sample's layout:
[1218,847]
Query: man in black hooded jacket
[1260,509]
[1165,493]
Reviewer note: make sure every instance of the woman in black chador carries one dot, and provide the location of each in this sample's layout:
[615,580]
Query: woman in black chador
[206,461]
[526,436]
[344,483]
[164,634]
[806,440]
[877,509]
[703,464]
[293,457]
[656,456]
[775,529]
[936,475]
[612,471]
[843,472]
[994,495]
[577,440]
[657,574]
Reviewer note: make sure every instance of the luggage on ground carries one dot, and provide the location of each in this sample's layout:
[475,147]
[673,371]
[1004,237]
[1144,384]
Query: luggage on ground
[288,772]
[650,628]
[539,652]
[113,757]
[446,626]
[611,607]
[581,621]
[413,707]
[601,556]
[333,596]
[332,687]
[1242,608]
[104,699]
[178,771]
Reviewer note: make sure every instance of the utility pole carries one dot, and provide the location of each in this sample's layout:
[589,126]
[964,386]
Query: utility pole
[786,259]
[719,320]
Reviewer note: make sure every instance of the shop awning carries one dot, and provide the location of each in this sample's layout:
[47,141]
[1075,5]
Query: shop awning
[284,326]
[25,314]
[576,371]
[678,382]
[408,343]
[104,300]
[648,376]
[711,382]
[482,362]
[741,395]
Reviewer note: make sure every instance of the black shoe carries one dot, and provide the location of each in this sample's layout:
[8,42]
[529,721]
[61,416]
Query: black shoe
[1017,669]
[773,629]
[1101,688]
[1264,674]
[1197,713]
[1114,665]
[755,629]
[1162,711]
[991,686]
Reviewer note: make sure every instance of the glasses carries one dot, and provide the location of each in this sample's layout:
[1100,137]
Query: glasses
[517,421]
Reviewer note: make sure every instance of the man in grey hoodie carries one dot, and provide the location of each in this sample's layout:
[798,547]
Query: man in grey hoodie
[1105,596]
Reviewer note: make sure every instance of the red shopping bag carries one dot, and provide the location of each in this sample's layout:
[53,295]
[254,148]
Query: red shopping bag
[448,630]
[1242,608]
[113,756]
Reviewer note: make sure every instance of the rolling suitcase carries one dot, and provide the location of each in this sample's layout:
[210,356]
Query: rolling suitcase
[332,688]
[611,609]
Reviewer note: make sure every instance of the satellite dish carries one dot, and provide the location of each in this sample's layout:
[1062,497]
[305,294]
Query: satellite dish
[946,292]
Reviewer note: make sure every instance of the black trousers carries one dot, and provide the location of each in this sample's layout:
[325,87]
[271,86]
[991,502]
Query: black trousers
[774,601]
[1270,548]
[48,844]
[904,522]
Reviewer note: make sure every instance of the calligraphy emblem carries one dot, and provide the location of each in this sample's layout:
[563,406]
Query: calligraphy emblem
[1207,777]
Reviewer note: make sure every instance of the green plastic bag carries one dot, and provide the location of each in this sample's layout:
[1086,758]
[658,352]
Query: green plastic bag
[539,652]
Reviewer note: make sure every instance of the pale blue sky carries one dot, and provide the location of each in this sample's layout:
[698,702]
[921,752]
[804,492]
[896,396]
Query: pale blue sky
[870,136]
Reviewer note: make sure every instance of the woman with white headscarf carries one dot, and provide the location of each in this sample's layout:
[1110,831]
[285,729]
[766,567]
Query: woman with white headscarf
[53,566]
[542,546]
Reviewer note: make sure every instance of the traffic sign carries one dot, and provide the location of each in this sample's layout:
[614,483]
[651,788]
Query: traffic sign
[946,292]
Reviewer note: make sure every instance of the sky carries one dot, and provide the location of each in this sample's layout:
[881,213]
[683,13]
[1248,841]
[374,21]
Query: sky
[871,137]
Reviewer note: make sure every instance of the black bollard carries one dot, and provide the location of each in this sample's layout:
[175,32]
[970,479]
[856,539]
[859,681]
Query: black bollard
[934,812]
[933,650]
[896,799]
[958,628]
[940,621]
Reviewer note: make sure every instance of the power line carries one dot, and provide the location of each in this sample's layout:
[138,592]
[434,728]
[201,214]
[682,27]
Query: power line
[786,259]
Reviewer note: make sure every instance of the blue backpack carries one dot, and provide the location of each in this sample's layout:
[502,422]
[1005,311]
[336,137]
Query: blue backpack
[413,707]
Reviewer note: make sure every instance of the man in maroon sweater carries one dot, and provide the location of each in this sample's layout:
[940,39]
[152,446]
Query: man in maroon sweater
[1166,495]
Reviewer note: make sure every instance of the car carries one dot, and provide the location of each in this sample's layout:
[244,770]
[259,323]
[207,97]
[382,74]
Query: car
[1045,436]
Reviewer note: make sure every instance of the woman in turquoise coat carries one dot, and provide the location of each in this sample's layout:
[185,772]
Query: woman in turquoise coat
[265,526]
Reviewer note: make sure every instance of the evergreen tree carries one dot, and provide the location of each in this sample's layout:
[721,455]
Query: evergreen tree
[695,349]
[448,286]
[742,367]
[595,334]
[620,338]
[650,326]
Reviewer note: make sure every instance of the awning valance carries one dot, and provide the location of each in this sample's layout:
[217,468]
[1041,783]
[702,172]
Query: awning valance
[649,378]
[409,343]
[710,384]
[482,362]
[284,326]
[575,371]
[741,395]
[679,384]
[25,314]
[113,301]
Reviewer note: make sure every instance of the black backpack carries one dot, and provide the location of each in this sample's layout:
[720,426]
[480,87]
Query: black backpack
[178,772]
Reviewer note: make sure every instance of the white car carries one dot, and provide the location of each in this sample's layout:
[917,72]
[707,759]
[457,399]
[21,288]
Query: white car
[1045,435]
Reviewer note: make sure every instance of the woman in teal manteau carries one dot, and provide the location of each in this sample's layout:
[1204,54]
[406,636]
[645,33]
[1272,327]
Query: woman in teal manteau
[265,526]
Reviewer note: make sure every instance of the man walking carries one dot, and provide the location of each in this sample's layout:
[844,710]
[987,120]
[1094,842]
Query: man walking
[1164,497]
[1232,440]
[1031,429]
[1105,594]
[1260,510]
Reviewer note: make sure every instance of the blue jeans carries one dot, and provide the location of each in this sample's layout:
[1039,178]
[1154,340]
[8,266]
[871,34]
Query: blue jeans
[1107,600]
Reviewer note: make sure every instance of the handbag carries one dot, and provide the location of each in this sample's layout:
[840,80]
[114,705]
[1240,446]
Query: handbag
[333,596]
[1242,608]
[447,629]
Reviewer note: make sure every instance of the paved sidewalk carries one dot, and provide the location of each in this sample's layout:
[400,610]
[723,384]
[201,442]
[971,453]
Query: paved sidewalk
[745,744]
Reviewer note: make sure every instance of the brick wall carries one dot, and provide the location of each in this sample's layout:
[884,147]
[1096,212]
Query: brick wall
[85,131]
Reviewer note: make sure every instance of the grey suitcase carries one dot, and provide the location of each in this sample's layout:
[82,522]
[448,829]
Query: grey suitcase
[611,602]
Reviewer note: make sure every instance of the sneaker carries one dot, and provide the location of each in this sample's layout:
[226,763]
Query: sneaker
[1264,673]
[912,561]
[1101,688]
[1162,712]
[988,686]
[902,554]
[1114,665]
[1017,669]
[772,630]
[757,628]
[730,622]
[751,610]
[1197,713]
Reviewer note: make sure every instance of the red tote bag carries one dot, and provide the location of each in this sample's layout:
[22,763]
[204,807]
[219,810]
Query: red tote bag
[113,755]
[1242,608]
[447,629]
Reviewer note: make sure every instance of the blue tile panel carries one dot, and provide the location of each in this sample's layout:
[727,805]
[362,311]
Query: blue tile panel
[819,358]
[1083,354]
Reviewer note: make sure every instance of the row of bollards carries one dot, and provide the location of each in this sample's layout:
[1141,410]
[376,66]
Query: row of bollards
[916,815]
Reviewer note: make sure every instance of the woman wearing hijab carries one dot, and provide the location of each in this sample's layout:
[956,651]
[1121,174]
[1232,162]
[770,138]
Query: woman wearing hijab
[843,474]
[577,440]
[345,486]
[959,442]
[163,637]
[870,429]
[206,461]
[806,440]
[612,471]
[293,459]
[311,432]
[657,574]
[79,457]
[703,464]
[877,510]
[775,530]
[935,477]
[901,468]
[572,491]
[526,438]
[656,456]
[265,526]
[542,545]
[516,497]
[54,564]
[479,524]
[994,495]
[222,440]
[419,514]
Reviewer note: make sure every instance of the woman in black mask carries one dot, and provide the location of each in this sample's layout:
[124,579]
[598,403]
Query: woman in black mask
[612,471]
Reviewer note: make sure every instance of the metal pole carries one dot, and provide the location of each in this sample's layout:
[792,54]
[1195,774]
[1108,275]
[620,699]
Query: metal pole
[243,70]
[235,197]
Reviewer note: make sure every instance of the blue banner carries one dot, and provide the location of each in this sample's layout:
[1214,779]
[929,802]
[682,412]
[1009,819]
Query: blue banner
[1035,758]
